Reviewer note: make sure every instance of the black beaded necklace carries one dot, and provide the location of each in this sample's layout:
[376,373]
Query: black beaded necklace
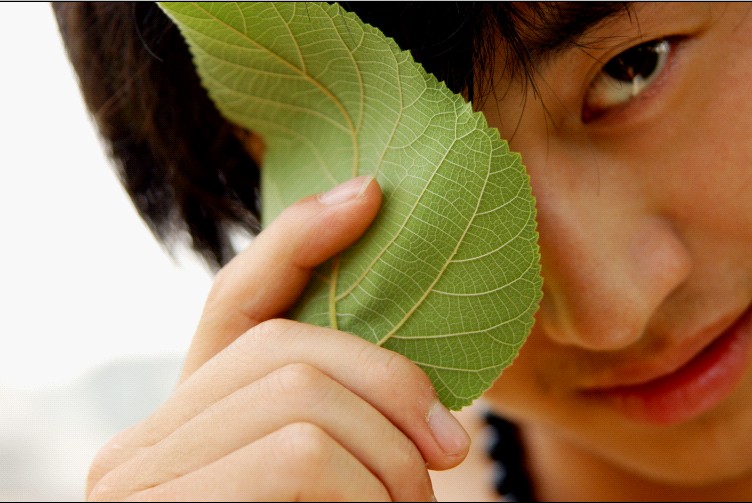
[505,448]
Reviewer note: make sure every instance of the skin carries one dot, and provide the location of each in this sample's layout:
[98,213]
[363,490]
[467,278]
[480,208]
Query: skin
[645,219]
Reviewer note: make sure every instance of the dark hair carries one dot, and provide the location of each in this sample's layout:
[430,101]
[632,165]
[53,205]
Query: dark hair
[183,164]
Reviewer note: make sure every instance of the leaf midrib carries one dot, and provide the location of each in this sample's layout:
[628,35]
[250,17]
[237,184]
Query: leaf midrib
[307,76]
[461,240]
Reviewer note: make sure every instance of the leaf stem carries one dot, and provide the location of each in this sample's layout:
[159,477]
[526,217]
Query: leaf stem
[333,294]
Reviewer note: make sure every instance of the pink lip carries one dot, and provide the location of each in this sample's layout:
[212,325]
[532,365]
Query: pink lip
[693,388]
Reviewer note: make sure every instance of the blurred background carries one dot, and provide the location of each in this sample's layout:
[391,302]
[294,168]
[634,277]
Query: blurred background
[94,315]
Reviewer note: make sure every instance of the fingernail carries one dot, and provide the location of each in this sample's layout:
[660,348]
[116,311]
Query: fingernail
[351,189]
[448,432]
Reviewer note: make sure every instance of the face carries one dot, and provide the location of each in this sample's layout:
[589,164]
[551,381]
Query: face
[639,149]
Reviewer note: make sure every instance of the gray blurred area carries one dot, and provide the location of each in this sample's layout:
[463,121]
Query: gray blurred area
[48,438]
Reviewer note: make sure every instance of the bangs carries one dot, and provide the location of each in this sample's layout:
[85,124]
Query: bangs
[462,42]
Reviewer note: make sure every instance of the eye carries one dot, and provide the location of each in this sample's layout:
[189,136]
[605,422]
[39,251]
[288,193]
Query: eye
[625,77]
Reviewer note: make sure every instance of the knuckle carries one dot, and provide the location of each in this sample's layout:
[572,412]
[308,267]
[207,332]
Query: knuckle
[109,457]
[407,465]
[268,332]
[306,448]
[108,489]
[407,459]
[100,492]
[330,226]
[407,383]
[299,379]
[274,328]
[296,220]
[399,373]
[100,466]
[221,278]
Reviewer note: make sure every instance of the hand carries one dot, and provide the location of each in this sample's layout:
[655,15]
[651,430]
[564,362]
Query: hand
[271,409]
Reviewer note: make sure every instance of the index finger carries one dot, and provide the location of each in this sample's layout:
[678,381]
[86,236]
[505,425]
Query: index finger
[266,279]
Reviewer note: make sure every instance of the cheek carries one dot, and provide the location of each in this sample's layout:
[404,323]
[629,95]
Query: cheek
[717,137]
[707,181]
[729,172]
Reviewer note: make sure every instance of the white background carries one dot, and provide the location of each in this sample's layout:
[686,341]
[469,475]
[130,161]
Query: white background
[84,287]
[83,280]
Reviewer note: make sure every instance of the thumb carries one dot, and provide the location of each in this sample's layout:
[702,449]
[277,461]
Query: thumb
[266,279]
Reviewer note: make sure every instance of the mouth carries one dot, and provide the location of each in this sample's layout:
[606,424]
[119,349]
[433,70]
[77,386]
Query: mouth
[701,382]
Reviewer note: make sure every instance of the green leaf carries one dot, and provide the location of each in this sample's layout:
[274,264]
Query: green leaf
[448,274]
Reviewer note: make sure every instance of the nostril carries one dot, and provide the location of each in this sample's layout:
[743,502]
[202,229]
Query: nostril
[616,330]
[607,274]
[596,324]
[609,305]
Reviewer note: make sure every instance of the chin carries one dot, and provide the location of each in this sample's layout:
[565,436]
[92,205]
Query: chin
[710,450]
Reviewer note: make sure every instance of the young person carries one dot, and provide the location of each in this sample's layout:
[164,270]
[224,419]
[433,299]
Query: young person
[635,124]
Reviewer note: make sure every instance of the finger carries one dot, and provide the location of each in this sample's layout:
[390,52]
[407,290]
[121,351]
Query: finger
[392,384]
[118,449]
[266,279]
[293,394]
[300,463]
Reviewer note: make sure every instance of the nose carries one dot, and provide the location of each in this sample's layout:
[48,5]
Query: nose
[608,263]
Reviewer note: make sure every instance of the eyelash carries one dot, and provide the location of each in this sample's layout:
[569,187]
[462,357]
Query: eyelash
[664,48]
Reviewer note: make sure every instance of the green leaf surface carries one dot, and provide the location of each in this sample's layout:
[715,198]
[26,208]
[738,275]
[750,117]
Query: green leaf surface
[449,272]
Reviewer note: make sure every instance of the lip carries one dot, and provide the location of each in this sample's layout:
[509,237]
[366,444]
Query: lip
[696,379]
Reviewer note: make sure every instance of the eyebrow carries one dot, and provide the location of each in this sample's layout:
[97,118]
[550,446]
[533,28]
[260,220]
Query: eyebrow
[547,29]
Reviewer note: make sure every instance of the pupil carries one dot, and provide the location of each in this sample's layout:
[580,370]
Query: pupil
[641,60]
